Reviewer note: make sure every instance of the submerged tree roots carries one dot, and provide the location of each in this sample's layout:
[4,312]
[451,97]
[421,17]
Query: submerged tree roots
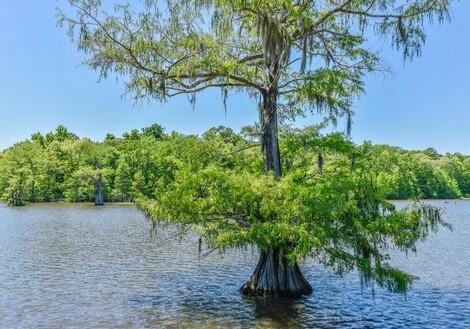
[275,277]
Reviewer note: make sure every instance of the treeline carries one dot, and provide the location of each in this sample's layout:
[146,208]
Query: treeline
[421,174]
[61,166]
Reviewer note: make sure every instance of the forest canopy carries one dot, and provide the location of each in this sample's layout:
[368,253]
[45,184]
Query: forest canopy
[60,166]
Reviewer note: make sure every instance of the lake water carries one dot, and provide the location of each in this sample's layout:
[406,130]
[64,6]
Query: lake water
[64,266]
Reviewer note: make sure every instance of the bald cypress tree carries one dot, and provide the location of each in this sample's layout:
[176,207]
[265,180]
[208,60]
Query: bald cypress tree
[292,57]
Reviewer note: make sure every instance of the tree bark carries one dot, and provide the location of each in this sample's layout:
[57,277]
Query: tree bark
[99,200]
[269,133]
[33,191]
[275,277]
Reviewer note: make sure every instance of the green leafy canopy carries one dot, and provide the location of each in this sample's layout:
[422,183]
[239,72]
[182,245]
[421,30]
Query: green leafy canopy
[336,214]
[314,54]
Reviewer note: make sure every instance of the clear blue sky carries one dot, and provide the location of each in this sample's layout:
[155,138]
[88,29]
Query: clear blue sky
[425,103]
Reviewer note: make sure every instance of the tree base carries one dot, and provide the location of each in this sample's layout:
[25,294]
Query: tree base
[99,200]
[275,277]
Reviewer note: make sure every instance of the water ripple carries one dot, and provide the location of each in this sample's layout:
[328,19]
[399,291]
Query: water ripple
[81,266]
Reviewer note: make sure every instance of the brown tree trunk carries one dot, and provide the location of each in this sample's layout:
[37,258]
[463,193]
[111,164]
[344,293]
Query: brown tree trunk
[33,191]
[269,133]
[275,277]
[99,200]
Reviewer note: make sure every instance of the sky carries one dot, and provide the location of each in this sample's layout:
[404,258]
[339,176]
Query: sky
[424,103]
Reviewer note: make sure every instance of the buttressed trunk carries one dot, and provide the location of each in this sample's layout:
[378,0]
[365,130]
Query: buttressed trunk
[274,276]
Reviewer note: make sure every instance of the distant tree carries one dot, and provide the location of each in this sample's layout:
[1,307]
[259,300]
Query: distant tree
[133,135]
[79,186]
[464,181]
[226,135]
[61,134]
[155,130]
[39,139]
[432,152]
[138,184]
[109,137]
[14,193]
[55,169]
[21,173]
[123,182]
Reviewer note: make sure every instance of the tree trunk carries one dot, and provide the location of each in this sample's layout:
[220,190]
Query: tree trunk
[99,200]
[275,277]
[269,136]
[33,191]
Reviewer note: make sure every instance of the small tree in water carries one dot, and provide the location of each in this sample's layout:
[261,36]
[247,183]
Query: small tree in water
[334,211]
[292,56]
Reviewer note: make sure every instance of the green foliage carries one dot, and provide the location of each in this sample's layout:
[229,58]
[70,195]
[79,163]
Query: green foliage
[123,182]
[312,55]
[155,130]
[67,169]
[80,185]
[426,174]
[61,166]
[330,203]
[337,214]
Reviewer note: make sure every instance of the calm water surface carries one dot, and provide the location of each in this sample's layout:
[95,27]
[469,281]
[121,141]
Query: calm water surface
[82,266]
